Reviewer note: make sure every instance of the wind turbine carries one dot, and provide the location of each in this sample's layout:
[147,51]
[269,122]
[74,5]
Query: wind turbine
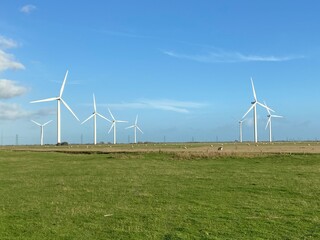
[114,126]
[135,126]
[270,116]
[94,116]
[240,129]
[254,107]
[59,100]
[41,129]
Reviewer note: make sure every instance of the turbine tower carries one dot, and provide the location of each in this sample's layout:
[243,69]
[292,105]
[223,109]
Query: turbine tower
[269,122]
[240,129]
[41,129]
[114,126]
[135,127]
[59,100]
[254,107]
[94,116]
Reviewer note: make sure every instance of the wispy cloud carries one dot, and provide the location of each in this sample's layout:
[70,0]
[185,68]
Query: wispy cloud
[229,57]
[6,43]
[14,111]
[45,112]
[166,105]
[28,8]
[10,89]
[7,61]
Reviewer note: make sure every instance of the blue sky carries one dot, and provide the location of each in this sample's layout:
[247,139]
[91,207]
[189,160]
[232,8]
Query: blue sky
[183,66]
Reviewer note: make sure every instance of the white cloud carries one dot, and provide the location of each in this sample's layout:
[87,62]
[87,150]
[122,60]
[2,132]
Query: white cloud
[167,105]
[28,8]
[229,57]
[7,61]
[10,89]
[6,43]
[12,111]
[45,112]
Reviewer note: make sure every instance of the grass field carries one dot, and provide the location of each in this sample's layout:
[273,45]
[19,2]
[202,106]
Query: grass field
[158,195]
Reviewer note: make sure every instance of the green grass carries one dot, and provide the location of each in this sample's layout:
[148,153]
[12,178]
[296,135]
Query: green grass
[158,196]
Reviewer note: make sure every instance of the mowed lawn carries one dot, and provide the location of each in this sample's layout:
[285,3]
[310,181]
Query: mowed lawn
[158,196]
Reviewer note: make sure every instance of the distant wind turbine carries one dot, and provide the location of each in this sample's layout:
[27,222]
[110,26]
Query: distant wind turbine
[254,107]
[114,126]
[59,100]
[240,129]
[135,127]
[269,122]
[94,116]
[41,129]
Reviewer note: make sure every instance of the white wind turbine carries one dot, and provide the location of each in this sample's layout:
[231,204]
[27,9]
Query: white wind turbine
[94,116]
[240,129]
[114,126]
[135,126]
[59,100]
[270,116]
[41,129]
[254,107]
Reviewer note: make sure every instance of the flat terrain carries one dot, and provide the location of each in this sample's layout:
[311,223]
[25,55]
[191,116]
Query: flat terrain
[162,191]
[194,148]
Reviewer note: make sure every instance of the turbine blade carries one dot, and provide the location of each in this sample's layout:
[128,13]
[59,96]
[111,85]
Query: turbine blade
[253,90]
[88,118]
[248,110]
[121,121]
[47,123]
[136,120]
[130,127]
[111,114]
[112,125]
[268,122]
[45,100]
[63,84]
[36,123]
[276,116]
[67,106]
[266,107]
[139,129]
[103,117]
[94,103]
